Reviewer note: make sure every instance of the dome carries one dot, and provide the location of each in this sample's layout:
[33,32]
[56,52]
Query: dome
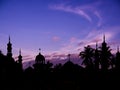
[40,58]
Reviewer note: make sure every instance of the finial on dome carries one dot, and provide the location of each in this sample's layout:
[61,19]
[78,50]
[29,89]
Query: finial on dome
[39,50]
[69,56]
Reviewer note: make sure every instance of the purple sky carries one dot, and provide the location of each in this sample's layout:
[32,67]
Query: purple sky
[58,27]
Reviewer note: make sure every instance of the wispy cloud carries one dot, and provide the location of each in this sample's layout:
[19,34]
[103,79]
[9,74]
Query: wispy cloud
[75,46]
[58,57]
[27,55]
[100,21]
[87,11]
[71,9]
[90,39]
[25,58]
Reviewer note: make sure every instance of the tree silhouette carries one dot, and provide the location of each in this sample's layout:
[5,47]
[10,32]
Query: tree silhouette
[87,56]
[49,66]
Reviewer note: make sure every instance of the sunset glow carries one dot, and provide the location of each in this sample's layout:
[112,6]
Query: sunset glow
[58,27]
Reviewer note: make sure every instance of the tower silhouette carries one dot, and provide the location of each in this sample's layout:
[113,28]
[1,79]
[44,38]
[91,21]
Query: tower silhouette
[105,55]
[97,58]
[20,57]
[104,43]
[118,49]
[69,57]
[19,61]
[117,62]
[9,48]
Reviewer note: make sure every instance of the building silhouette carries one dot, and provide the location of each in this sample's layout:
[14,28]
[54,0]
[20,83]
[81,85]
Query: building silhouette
[19,61]
[9,49]
[97,58]
[69,76]
[40,59]
[105,55]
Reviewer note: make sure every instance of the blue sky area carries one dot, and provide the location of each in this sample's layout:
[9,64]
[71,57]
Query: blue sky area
[58,27]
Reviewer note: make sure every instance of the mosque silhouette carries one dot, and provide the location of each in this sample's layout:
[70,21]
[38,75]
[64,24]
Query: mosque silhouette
[101,69]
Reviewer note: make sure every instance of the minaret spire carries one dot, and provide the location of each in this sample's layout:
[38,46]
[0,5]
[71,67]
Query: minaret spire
[104,38]
[9,38]
[20,57]
[20,51]
[9,48]
[39,50]
[19,61]
[96,45]
[97,59]
[117,48]
[69,56]
[104,44]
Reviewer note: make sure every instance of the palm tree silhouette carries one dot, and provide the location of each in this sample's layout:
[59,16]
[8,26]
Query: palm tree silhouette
[87,56]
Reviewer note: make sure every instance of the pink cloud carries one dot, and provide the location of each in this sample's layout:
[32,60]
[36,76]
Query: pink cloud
[95,36]
[75,48]
[78,44]
[55,38]
[97,40]
[90,39]
[27,55]
[25,58]
[73,39]
[113,43]
[58,57]
[81,43]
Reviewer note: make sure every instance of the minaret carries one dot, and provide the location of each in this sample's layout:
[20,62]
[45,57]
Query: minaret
[96,50]
[20,57]
[118,49]
[9,48]
[97,60]
[69,57]
[96,45]
[105,54]
[104,38]
[104,43]
[118,52]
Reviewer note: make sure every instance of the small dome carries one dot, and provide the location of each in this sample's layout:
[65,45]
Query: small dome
[40,58]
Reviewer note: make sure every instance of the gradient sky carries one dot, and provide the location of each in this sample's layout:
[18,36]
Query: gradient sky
[58,27]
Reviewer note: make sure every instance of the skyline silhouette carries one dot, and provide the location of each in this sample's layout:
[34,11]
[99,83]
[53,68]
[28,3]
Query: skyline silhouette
[98,65]
[76,58]
[59,44]
[87,54]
